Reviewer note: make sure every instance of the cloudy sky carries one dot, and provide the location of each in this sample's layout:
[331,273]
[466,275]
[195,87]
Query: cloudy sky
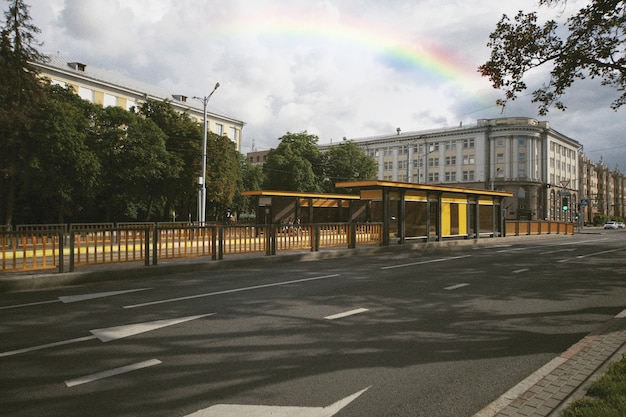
[335,68]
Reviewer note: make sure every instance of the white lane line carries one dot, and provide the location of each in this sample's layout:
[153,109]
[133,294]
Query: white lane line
[426,262]
[210,294]
[30,304]
[599,253]
[75,298]
[457,286]
[513,250]
[558,251]
[346,314]
[83,297]
[111,372]
[621,315]
[519,271]
[111,333]
[49,345]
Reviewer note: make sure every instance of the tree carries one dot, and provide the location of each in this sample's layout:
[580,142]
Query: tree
[135,165]
[295,165]
[21,97]
[251,179]
[348,162]
[223,174]
[184,144]
[60,177]
[594,47]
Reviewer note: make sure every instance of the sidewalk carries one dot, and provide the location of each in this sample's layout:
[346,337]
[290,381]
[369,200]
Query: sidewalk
[553,387]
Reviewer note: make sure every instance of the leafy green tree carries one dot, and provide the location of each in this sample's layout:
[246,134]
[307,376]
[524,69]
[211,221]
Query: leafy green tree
[594,47]
[135,165]
[21,97]
[223,175]
[251,179]
[184,144]
[60,177]
[348,162]
[295,165]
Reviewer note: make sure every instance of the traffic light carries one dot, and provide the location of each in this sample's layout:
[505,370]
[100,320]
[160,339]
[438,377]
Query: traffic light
[565,204]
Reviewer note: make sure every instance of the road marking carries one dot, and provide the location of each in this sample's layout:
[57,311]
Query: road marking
[454,287]
[111,333]
[346,314]
[48,345]
[111,372]
[519,271]
[599,253]
[119,332]
[254,287]
[560,250]
[426,262]
[76,298]
[83,297]
[236,410]
[513,250]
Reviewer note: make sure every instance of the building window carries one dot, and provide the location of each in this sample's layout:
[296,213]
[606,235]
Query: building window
[521,141]
[450,145]
[468,175]
[500,142]
[433,177]
[450,160]
[468,143]
[219,129]
[521,172]
[451,176]
[468,160]
[86,94]
[521,157]
[433,162]
[500,158]
[109,100]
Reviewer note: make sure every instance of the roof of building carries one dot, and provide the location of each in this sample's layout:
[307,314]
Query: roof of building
[376,184]
[117,80]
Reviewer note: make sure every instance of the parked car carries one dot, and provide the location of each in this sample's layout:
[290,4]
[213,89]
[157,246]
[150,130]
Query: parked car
[611,225]
[620,225]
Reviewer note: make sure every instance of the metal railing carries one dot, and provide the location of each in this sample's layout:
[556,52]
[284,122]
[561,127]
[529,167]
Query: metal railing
[538,227]
[80,245]
[29,251]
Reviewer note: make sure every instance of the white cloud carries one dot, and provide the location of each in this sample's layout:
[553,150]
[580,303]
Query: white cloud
[332,67]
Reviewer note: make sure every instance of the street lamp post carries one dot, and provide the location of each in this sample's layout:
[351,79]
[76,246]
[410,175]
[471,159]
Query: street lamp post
[202,180]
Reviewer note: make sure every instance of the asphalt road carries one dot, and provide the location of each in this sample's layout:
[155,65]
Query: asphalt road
[400,334]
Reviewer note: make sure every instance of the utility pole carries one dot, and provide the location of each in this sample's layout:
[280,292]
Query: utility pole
[202,180]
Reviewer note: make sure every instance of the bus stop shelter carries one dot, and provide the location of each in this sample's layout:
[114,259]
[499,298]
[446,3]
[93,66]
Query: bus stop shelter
[407,211]
[431,212]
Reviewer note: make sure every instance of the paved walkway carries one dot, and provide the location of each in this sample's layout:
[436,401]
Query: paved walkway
[552,388]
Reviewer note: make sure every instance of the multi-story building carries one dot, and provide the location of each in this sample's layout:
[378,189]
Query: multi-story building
[602,191]
[111,89]
[520,155]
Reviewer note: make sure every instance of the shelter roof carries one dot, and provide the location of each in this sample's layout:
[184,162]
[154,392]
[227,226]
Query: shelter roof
[376,184]
[274,193]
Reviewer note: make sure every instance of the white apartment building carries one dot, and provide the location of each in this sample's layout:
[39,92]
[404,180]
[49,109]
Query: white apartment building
[520,155]
[108,88]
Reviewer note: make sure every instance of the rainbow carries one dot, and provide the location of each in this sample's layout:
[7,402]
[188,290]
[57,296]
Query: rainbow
[399,50]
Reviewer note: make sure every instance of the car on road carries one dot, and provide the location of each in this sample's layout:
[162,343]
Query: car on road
[620,225]
[611,225]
